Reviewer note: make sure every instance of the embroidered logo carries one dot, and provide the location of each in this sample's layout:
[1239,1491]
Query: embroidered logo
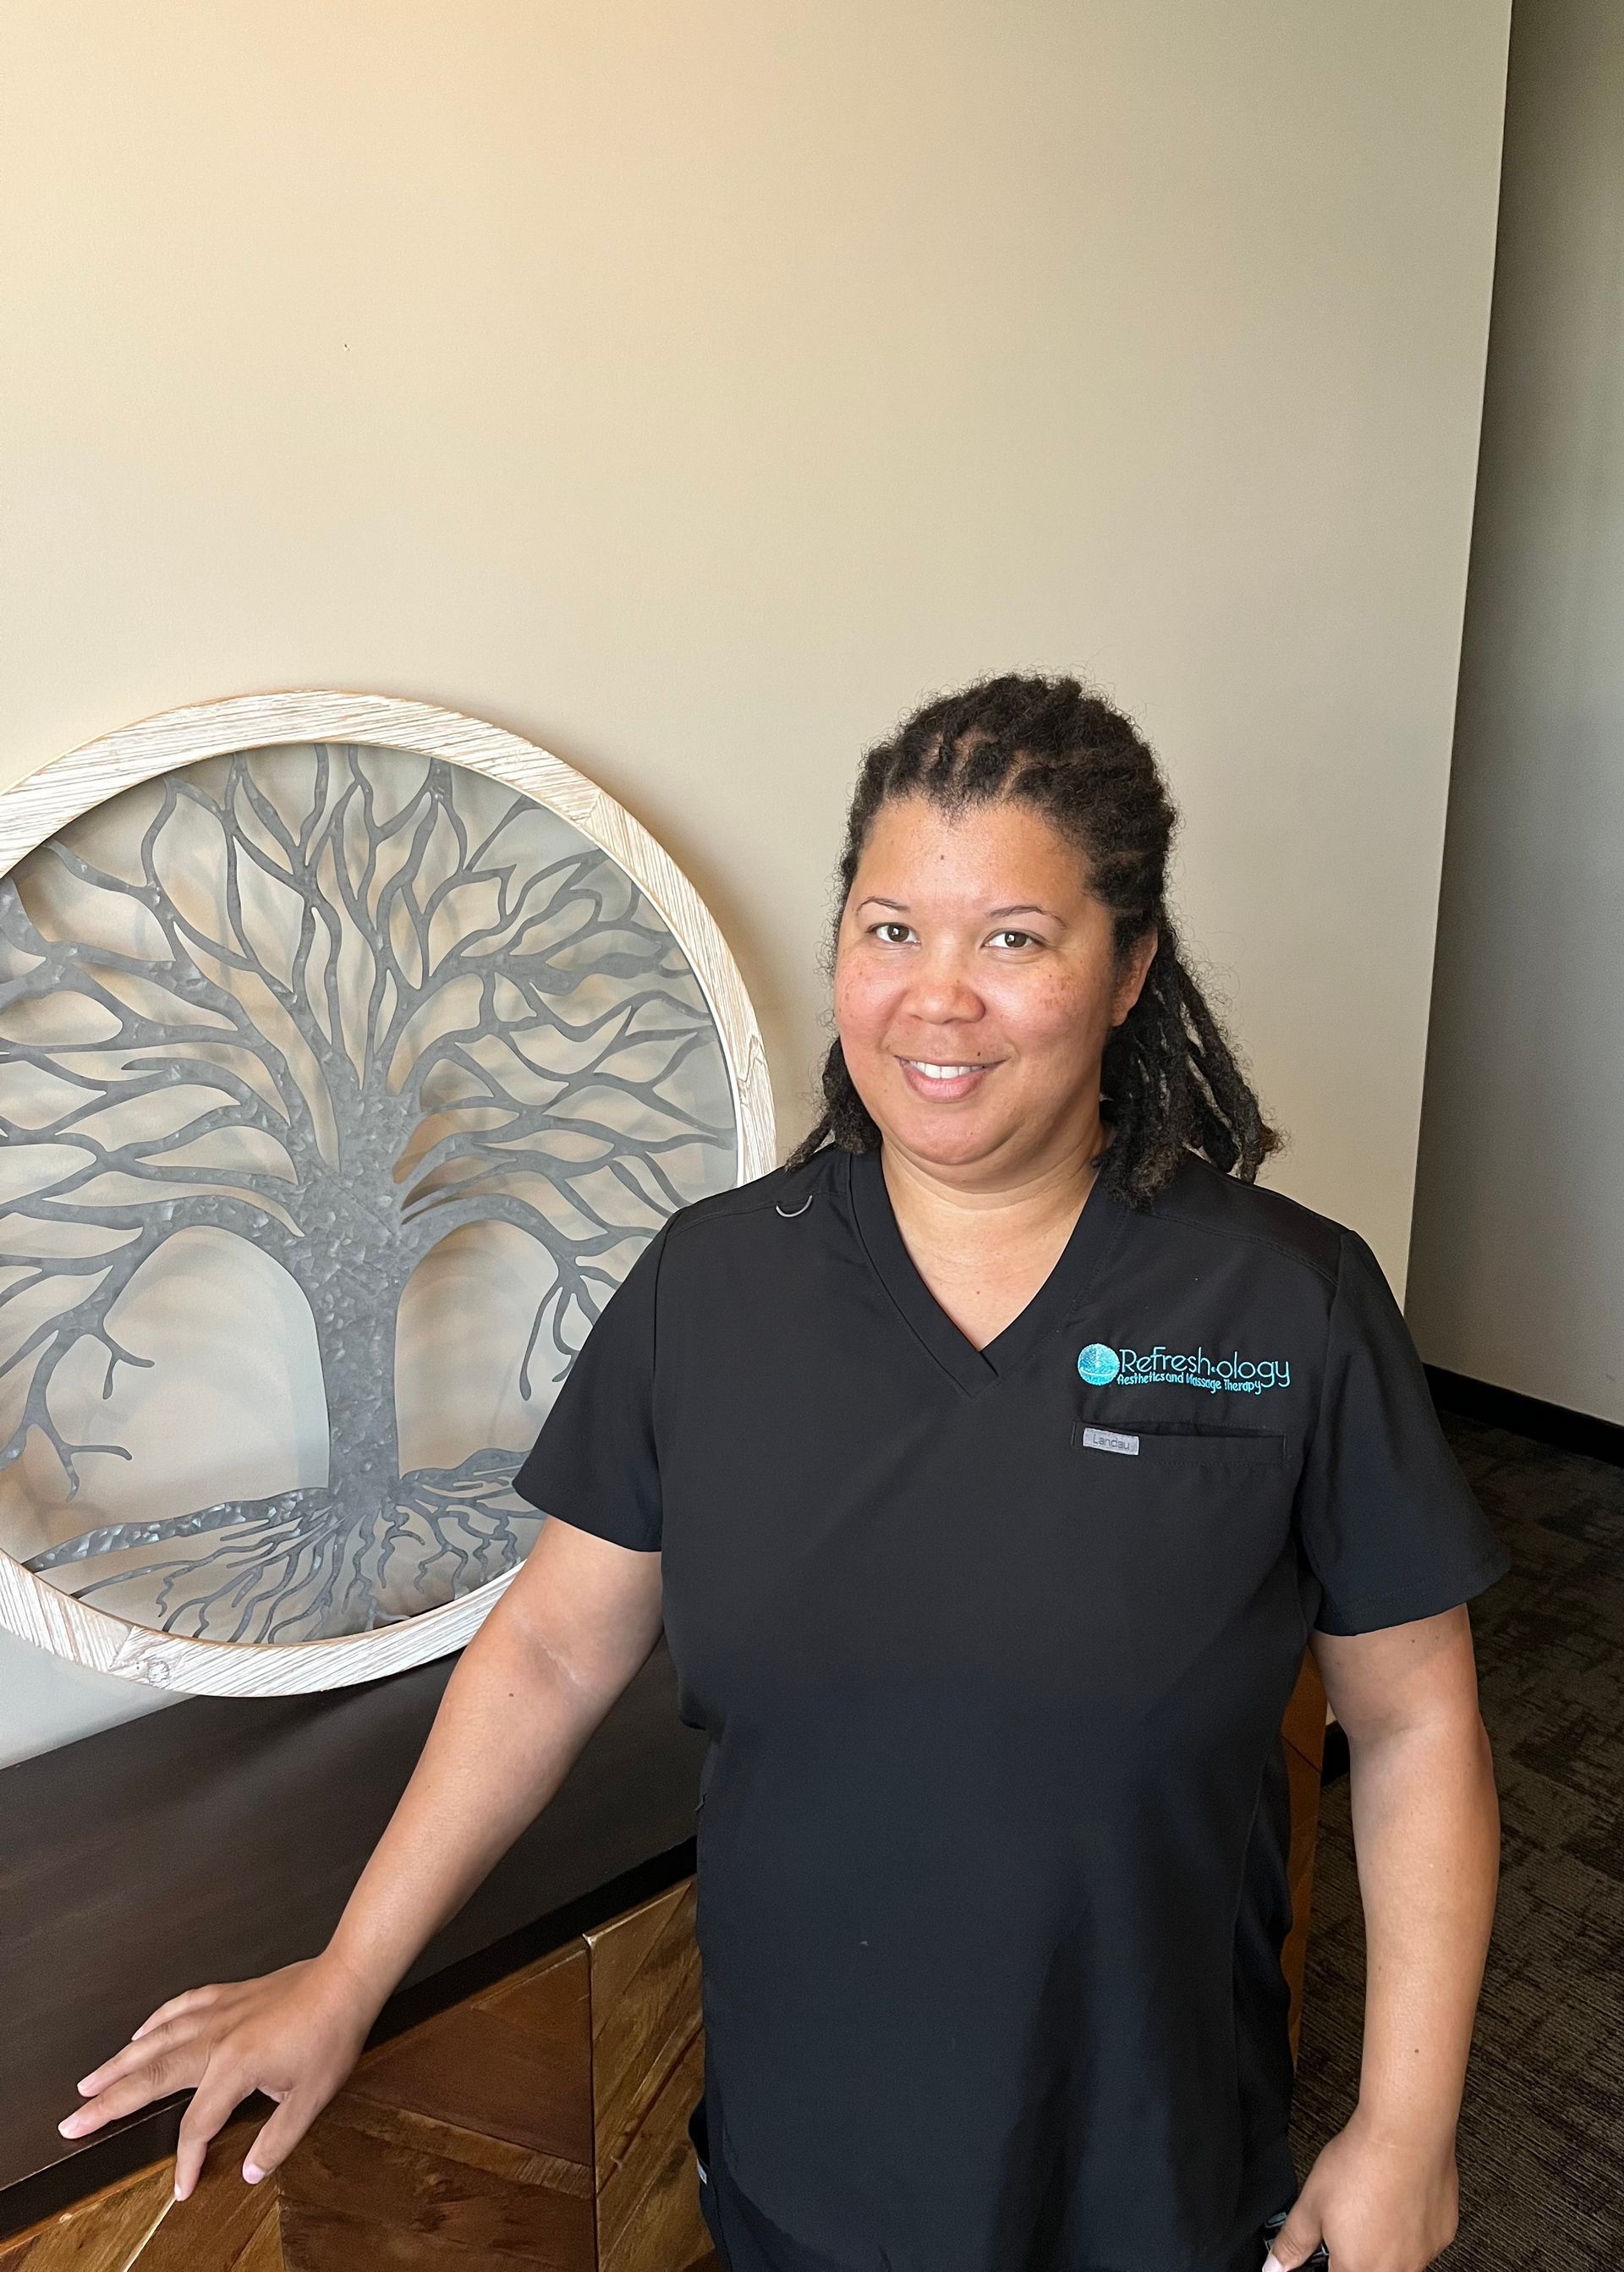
[1100,1364]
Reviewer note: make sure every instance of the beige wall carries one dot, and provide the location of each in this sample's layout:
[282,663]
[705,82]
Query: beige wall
[1517,1273]
[694,385]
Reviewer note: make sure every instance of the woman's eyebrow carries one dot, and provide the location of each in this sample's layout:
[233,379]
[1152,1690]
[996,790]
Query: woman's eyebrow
[1025,908]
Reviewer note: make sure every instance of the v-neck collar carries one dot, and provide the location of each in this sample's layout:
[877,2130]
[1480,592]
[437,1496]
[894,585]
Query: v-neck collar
[1092,1236]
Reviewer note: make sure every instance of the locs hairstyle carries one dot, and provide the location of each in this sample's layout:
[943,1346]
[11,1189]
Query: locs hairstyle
[1170,1081]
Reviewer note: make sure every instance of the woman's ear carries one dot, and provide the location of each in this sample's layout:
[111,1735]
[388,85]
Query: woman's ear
[1131,984]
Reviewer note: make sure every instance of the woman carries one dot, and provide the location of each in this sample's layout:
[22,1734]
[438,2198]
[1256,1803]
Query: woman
[989,1465]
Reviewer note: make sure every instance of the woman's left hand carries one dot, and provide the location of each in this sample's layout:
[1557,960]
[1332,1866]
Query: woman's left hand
[1379,2203]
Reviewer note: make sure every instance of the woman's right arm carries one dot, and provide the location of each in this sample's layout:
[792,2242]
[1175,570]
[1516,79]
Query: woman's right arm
[566,1636]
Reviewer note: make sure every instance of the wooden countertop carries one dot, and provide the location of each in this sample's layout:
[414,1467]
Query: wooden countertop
[221,1838]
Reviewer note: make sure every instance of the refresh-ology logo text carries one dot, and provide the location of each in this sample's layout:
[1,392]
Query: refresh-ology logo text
[1100,1366]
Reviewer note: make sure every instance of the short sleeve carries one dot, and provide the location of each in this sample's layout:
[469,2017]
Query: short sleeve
[594,1462]
[1386,1521]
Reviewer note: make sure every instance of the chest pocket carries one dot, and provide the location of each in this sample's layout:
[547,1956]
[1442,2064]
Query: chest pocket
[1187,1525]
[1165,1450]
[1122,1569]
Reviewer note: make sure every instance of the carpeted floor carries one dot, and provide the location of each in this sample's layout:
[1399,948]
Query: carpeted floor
[1542,2135]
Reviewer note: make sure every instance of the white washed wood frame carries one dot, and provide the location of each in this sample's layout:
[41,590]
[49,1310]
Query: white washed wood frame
[59,792]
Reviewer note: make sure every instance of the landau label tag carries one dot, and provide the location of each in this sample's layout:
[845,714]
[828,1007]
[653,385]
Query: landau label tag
[1107,1440]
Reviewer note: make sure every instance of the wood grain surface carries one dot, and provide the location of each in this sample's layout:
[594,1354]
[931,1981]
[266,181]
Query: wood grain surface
[1303,1733]
[426,2159]
[647,2070]
[471,2140]
[221,1837]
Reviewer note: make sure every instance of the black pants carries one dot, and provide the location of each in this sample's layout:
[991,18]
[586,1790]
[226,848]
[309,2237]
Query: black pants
[746,2241]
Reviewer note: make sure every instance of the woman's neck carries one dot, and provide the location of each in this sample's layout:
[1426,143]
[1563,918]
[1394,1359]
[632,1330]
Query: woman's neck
[985,1244]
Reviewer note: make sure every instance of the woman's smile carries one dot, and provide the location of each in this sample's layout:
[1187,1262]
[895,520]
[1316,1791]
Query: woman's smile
[943,1082]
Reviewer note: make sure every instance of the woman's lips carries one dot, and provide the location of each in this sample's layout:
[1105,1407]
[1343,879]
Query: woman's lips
[943,1082]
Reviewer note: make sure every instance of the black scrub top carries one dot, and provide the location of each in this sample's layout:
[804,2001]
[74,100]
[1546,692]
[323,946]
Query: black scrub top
[993,1646]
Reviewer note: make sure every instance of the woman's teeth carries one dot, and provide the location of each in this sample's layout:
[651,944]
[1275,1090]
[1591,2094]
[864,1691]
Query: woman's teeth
[941,1072]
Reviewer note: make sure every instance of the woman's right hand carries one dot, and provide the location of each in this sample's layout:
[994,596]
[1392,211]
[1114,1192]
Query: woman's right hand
[293,2034]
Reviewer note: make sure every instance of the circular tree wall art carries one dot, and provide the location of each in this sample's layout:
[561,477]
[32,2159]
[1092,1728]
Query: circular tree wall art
[350,1053]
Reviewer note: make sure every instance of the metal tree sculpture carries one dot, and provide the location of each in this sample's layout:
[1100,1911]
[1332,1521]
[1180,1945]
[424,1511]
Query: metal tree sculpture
[341,1003]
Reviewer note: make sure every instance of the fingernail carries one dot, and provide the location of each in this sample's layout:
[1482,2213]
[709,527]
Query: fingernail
[68,2124]
[252,2173]
[86,2085]
[1271,2263]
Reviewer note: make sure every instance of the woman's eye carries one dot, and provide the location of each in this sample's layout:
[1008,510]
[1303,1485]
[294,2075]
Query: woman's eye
[1022,938]
[881,929]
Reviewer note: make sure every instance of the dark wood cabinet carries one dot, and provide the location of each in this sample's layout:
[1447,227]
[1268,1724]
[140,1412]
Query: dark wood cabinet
[540,2123]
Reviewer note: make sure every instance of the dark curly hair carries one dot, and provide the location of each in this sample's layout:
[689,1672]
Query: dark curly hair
[1170,1081]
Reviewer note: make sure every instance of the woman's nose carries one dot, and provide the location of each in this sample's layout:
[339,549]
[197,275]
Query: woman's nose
[941,990]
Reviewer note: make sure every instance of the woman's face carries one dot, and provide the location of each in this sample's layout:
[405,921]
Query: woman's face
[975,986]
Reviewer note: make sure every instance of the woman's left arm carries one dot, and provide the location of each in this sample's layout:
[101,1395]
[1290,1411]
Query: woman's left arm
[1382,2195]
